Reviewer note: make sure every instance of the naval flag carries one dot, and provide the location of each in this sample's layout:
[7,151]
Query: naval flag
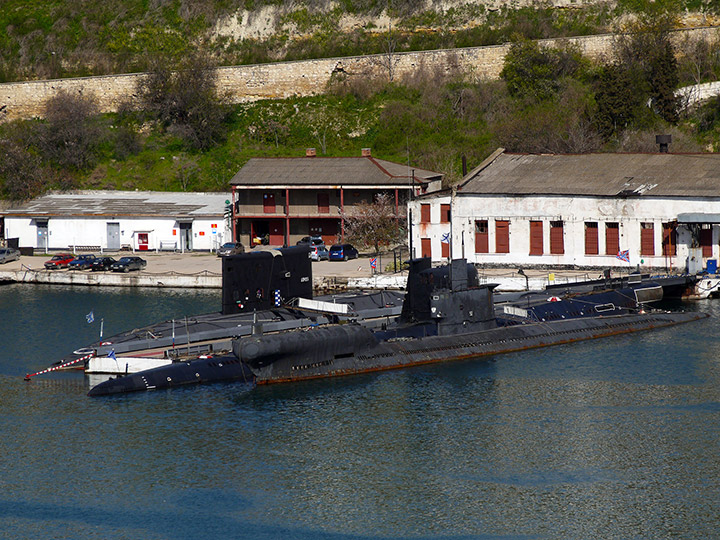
[90,317]
[445,238]
[111,354]
[373,262]
[624,255]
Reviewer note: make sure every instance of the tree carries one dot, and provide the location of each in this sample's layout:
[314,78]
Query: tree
[618,94]
[185,102]
[375,224]
[21,175]
[71,134]
[663,79]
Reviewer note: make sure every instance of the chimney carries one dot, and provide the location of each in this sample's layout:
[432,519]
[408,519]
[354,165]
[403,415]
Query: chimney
[366,152]
[310,152]
[663,141]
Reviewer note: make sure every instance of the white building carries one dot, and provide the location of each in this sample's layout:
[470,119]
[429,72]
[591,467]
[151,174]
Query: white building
[114,220]
[578,211]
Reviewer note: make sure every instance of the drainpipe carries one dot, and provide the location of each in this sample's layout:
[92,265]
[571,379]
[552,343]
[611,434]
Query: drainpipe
[287,216]
[232,214]
[342,214]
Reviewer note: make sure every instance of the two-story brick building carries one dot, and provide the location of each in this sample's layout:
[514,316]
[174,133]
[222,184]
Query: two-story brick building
[288,198]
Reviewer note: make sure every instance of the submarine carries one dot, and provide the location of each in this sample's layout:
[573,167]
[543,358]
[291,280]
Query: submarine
[446,315]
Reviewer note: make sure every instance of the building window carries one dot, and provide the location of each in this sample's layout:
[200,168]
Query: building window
[323,200]
[502,236]
[557,245]
[424,213]
[669,241]
[481,236]
[269,203]
[445,250]
[425,248]
[444,213]
[647,239]
[706,239]
[612,238]
[536,238]
[591,238]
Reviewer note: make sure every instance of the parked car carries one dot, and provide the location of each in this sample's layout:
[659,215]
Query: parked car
[125,264]
[81,262]
[230,248]
[342,252]
[319,253]
[9,254]
[61,260]
[314,240]
[102,263]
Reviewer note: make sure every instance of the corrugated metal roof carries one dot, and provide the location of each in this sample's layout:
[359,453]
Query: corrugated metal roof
[657,175]
[123,203]
[312,171]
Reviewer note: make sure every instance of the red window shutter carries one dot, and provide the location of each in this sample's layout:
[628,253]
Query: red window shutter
[502,236]
[481,236]
[426,250]
[647,240]
[424,213]
[557,244]
[612,238]
[444,213]
[536,238]
[591,238]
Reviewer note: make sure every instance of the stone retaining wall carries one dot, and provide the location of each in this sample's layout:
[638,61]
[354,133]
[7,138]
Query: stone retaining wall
[286,79]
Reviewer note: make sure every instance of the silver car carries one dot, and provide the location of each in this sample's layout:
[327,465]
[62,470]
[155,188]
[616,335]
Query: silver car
[9,254]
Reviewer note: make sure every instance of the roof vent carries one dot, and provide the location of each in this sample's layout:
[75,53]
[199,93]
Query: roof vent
[663,141]
[366,152]
[310,152]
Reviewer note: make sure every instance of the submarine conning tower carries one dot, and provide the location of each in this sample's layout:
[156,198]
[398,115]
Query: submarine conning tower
[449,296]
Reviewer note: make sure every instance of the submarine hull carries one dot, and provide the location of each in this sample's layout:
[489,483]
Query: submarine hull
[351,349]
[199,371]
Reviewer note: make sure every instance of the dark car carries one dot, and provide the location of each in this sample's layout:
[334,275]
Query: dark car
[314,240]
[125,264]
[61,260]
[230,248]
[9,254]
[81,262]
[342,252]
[102,263]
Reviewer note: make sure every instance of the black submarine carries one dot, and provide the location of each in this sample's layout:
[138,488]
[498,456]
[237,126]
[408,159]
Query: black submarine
[446,315]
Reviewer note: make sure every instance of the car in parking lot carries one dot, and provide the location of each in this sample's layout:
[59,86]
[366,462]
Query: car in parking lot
[81,262]
[61,260]
[313,240]
[230,248]
[319,253]
[342,252]
[125,264]
[102,263]
[9,254]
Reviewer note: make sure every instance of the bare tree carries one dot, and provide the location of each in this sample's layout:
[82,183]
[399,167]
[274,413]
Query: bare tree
[375,224]
[71,134]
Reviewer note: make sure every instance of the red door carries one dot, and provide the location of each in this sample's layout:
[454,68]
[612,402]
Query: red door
[706,240]
[323,203]
[425,249]
[143,242]
[269,203]
[277,232]
[327,228]
[481,236]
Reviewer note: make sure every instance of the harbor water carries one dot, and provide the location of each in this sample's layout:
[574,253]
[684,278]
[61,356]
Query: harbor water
[615,438]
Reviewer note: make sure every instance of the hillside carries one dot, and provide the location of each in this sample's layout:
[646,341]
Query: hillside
[67,38]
